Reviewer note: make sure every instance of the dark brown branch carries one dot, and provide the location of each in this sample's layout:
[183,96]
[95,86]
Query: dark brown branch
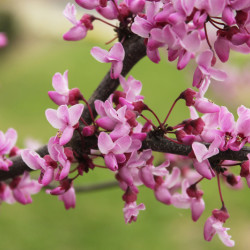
[160,144]
[135,50]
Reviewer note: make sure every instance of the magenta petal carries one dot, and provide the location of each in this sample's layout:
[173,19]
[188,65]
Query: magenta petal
[120,158]
[69,198]
[48,176]
[163,195]
[58,98]
[66,135]
[76,33]
[147,177]
[106,123]
[209,231]
[203,168]
[197,208]
[154,55]
[65,170]
[105,143]
[183,60]
[23,198]
[110,161]
[88,4]
[221,46]
[141,27]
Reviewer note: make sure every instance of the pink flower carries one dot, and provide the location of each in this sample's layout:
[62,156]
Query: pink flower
[202,154]
[79,30]
[3,40]
[88,4]
[135,6]
[65,119]
[35,162]
[61,94]
[214,225]
[115,56]
[7,142]
[109,11]
[23,187]
[205,69]
[184,201]
[114,151]
[57,154]
[68,198]
[131,211]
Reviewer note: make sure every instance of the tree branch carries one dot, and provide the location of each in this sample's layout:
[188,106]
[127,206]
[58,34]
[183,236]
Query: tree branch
[135,50]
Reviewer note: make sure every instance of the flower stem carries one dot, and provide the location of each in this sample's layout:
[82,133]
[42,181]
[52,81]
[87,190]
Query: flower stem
[169,112]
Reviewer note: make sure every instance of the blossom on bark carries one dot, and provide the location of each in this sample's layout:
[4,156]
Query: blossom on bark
[65,120]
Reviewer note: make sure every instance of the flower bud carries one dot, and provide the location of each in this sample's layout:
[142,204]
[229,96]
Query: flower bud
[188,95]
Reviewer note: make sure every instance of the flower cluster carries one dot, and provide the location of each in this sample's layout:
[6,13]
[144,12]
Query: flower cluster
[183,29]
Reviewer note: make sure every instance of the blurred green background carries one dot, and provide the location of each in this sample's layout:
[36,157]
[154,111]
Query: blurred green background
[36,51]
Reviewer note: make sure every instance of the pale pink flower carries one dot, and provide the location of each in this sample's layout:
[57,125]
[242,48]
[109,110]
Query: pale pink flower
[131,211]
[35,162]
[115,56]
[214,226]
[60,83]
[79,30]
[64,119]
[23,187]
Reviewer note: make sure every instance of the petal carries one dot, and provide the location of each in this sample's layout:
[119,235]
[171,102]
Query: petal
[116,69]
[58,98]
[221,46]
[105,143]
[204,169]
[76,33]
[75,113]
[197,208]
[116,52]
[66,135]
[100,54]
[111,162]
[31,159]
[60,83]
